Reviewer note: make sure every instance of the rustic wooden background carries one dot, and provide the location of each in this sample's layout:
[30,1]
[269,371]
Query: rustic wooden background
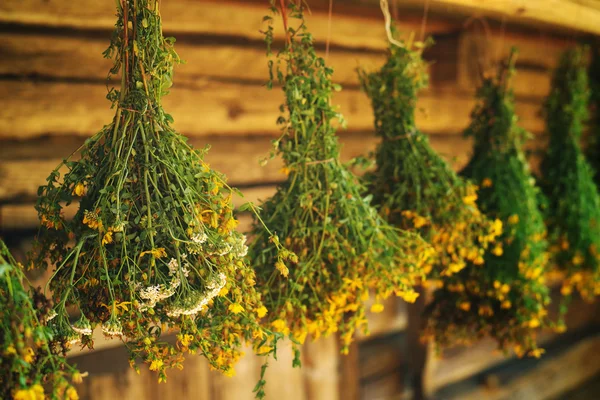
[52,89]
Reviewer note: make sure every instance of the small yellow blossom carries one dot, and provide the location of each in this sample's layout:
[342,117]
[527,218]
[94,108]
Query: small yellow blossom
[498,251]
[264,350]
[155,365]
[537,353]
[108,238]
[282,268]
[470,199]
[261,311]
[534,323]
[513,219]
[506,304]
[486,183]
[79,189]
[279,325]
[235,308]
[377,308]
[465,306]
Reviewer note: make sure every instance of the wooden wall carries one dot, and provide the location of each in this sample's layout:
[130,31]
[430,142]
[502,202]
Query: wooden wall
[52,89]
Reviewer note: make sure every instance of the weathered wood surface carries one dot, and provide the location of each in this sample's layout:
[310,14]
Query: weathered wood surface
[542,379]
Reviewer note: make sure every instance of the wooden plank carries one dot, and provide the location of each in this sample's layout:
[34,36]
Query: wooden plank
[552,375]
[580,16]
[459,363]
[25,165]
[354,27]
[34,109]
[283,380]
[53,54]
[320,360]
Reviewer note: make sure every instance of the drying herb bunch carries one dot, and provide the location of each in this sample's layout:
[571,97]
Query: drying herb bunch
[32,360]
[153,246]
[414,187]
[573,211]
[593,148]
[344,248]
[506,297]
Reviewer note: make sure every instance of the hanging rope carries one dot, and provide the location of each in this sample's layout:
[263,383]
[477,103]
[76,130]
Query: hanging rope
[385,9]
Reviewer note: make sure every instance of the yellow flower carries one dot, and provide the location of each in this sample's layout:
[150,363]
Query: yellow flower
[506,304]
[281,267]
[22,394]
[28,356]
[155,365]
[410,297]
[419,221]
[77,377]
[456,267]
[301,336]
[486,183]
[497,228]
[513,219]
[285,171]
[537,353]
[108,238]
[534,323]
[498,251]
[71,393]
[279,325]
[235,308]
[10,350]
[470,199]
[261,311]
[465,306]
[377,308]
[577,259]
[264,350]
[566,290]
[230,372]
[79,189]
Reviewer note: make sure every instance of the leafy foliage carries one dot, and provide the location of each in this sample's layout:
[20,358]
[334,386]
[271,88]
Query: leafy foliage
[33,363]
[153,247]
[344,249]
[506,297]
[573,212]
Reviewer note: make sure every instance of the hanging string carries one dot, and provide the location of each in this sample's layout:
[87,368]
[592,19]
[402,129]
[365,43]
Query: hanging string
[385,9]
[483,60]
[329,29]
[424,21]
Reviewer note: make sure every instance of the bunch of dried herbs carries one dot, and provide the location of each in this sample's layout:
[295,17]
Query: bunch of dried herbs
[593,145]
[33,364]
[153,247]
[413,186]
[573,210]
[505,298]
[344,249]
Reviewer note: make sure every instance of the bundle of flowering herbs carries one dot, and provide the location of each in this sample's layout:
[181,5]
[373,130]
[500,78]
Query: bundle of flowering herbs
[573,209]
[505,297]
[593,142]
[344,249]
[413,186]
[33,364]
[153,247]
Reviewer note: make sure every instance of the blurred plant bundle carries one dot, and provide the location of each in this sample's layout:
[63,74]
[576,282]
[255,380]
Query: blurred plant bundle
[505,298]
[414,187]
[573,210]
[593,142]
[33,363]
[153,247]
[344,248]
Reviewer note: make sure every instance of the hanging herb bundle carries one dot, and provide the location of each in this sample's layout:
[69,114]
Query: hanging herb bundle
[593,150]
[413,185]
[153,247]
[344,248]
[505,298]
[33,364]
[573,211]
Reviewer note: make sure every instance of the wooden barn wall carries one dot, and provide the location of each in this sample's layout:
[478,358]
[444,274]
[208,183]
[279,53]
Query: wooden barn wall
[52,96]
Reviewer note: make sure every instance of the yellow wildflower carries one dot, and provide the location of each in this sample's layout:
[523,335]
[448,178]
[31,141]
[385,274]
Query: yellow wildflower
[264,350]
[506,304]
[285,171]
[377,308]
[410,296]
[577,259]
[155,365]
[513,219]
[534,323]
[279,325]
[419,221]
[235,308]
[71,393]
[486,183]
[282,268]
[301,336]
[261,311]
[537,353]
[108,237]
[498,251]
[79,189]
[28,356]
[470,199]
[465,306]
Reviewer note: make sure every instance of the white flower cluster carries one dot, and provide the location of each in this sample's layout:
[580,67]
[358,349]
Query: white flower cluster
[154,294]
[197,240]
[195,302]
[82,326]
[112,327]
